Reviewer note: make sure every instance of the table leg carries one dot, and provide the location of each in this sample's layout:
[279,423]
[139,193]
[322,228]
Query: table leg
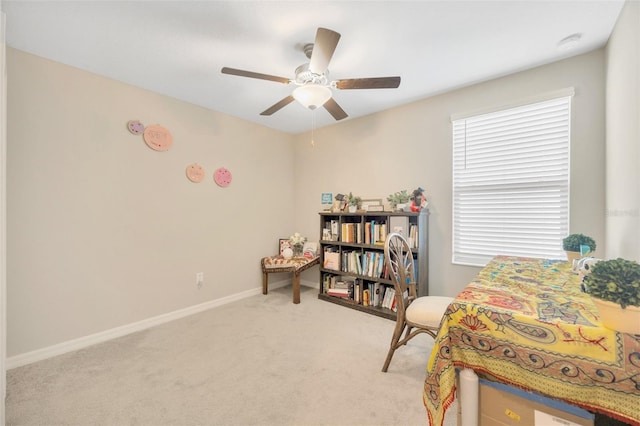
[265,283]
[468,397]
[296,287]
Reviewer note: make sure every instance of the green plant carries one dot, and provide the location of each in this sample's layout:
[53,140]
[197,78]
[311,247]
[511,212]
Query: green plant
[615,280]
[400,197]
[574,241]
[354,200]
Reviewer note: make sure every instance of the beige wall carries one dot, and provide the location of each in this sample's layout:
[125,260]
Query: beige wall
[410,146]
[103,231]
[623,136]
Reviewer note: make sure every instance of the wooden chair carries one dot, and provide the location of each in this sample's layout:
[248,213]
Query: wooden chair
[415,314]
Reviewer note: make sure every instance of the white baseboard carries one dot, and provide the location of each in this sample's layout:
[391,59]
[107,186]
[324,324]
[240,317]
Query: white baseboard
[103,336]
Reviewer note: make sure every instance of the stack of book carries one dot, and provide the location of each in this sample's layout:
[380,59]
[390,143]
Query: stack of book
[342,287]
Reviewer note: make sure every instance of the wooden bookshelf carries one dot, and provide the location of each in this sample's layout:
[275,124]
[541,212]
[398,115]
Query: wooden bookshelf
[357,239]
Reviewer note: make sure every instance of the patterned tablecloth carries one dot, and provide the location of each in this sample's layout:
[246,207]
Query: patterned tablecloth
[526,323]
[291,264]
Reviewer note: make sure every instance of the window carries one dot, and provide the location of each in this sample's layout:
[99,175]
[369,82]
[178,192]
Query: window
[511,182]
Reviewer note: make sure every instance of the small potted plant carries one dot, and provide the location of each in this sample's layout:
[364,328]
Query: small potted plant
[398,200]
[572,244]
[614,286]
[354,202]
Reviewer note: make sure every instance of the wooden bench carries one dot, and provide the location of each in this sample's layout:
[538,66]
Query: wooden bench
[276,264]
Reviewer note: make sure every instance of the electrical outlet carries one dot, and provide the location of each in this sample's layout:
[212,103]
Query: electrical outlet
[199,280]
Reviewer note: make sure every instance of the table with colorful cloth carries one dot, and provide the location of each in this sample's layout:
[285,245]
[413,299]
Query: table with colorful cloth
[525,322]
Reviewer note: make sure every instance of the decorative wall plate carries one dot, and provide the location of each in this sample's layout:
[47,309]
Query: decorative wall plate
[222,177]
[135,127]
[157,137]
[195,172]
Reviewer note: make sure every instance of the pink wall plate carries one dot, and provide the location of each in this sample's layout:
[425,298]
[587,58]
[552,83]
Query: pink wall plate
[135,127]
[222,177]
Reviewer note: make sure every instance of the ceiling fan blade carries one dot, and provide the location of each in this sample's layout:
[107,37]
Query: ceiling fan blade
[278,105]
[368,83]
[334,109]
[323,48]
[250,74]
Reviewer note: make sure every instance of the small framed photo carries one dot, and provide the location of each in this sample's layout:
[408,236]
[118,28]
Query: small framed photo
[327,198]
[372,205]
[283,243]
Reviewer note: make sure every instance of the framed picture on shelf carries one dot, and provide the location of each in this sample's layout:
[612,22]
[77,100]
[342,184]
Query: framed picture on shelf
[283,243]
[372,205]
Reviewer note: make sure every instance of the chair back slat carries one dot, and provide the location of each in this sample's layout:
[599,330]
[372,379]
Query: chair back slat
[399,260]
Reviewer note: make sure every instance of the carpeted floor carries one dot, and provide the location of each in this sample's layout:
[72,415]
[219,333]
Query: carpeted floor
[258,361]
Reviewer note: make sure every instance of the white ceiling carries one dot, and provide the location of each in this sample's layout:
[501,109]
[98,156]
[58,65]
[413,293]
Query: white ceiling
[177,48]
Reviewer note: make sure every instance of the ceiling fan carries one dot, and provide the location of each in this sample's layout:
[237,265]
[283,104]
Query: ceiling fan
[312,78]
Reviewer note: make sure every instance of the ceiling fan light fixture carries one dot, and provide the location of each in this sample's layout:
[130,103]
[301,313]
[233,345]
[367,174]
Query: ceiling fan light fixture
[312,96]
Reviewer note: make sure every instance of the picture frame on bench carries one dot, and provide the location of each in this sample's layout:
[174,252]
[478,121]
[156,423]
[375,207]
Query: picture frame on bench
[283,243]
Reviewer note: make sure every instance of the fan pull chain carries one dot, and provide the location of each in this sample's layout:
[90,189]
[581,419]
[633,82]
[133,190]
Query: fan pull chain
[313,126]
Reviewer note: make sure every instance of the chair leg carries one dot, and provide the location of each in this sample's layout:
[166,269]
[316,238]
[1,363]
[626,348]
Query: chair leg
[407,334]
[397,333]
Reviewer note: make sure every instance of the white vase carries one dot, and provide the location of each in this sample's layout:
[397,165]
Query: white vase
[297,250]
[353,209]
[626,320]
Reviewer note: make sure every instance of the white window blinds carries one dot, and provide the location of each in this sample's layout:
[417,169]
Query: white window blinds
[511,182]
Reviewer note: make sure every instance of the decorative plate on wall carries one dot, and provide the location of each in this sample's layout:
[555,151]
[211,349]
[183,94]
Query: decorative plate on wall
[195,172]
[135,127]
[222,177]
[157,137]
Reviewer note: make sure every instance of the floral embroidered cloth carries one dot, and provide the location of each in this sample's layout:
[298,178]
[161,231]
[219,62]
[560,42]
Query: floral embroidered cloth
[274,262]
[526,323]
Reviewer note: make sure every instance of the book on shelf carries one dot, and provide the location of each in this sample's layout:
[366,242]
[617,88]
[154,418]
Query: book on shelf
[351,233]
[382,234]
[340,284]
[370,261]
[343,293]
[373,264]
[366,297]
[344,233]
[328,282]
[413,236]
[376,232]
[377,296]
[334,230]
[343,287]
[389,299]
[351,262]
